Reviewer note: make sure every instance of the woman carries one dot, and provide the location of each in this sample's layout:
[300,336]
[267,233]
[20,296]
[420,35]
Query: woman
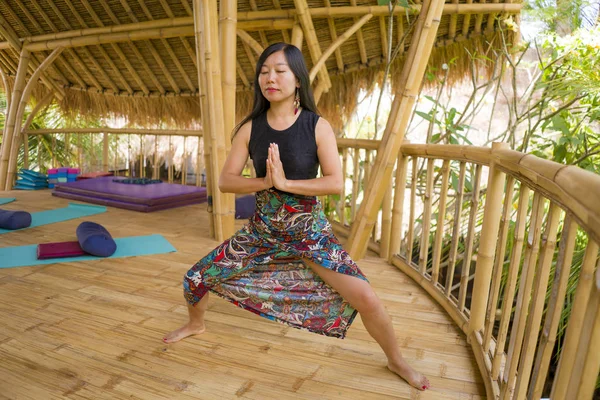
[286,264]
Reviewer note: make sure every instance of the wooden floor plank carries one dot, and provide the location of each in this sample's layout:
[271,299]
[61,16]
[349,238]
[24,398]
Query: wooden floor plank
[92,330]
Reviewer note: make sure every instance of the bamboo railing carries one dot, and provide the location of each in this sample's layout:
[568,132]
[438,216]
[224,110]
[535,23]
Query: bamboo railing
[139,153]
[498,256]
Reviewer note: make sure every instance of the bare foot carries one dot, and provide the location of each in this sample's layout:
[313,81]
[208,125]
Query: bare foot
[406,372]
[183,332]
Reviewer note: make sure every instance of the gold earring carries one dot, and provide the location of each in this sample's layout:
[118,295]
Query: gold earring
[296,102]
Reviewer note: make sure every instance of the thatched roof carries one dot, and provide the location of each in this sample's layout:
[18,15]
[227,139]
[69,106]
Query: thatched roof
[143,65]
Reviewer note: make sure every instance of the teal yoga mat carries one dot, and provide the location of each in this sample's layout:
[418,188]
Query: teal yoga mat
[72,211]
[6,200]
[23,256]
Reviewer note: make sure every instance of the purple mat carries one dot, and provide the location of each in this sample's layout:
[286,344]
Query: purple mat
[150,195]
[127,205]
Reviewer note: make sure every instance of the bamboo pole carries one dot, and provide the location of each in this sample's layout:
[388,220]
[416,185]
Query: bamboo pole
[105,152]
[206,34]
[439,232]
[555,307]
[452,255]
[468,255]
[333,33]
[587,363]
[355,183]
[337,43]
[524,296]
[412,75]
[297,35]
[12,116]
[490,317]
[362,51]
[116,131]
[411,214]
[534,319]
[16,129]
[398,207]
[342,207]
[312,40]
[487,245]
[567,362]
[155,169]
[426,224]
[386,222]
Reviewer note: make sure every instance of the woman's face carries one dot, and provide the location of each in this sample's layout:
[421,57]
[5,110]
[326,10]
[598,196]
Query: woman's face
[276,79]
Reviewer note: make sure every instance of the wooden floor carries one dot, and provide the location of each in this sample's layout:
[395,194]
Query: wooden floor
[92,330]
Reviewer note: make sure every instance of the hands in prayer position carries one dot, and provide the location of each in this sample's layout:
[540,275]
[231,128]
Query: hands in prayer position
[275,174]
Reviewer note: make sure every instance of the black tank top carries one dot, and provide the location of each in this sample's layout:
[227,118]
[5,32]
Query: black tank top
[297,146]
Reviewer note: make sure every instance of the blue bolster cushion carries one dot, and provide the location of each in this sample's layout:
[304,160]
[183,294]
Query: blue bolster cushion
[14,219]
[95,239]
[245,206]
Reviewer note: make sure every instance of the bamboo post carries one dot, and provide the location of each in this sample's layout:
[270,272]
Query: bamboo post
[184,163]
[513,271]
[342,207]
[426,224]
[555,306]
[355,183]
[468,254]
[171,160]
[228,53]
[587,362]
[205,12]
[563,380]
[524,296]
[297,35]
[398,207]
[452,255]
[439,232]
[12,117]
[487,244]
[411,213]
[412,75]
[386,222]
[105,152]
[16,129]
[155,173]
[534,319]
[498,265]
[142,165]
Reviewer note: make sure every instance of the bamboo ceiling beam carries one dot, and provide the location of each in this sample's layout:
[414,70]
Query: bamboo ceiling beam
[404,100]
[117,131]
[72,52]
[384,36]
[73,72]
[360,39]
[453,21]
[152,49]
[39,27]
[261,34]
[333,32]
[466,21]
[108,59]
[359,11]
[312,40]
[8,32]
[491,20]
[284,32]
[241,74]
[136,93]
[8,64]
[249,53]
[117,49]
[250,41]
[174,57]
[478,21]
[338,43]
[6,89]
[134,48]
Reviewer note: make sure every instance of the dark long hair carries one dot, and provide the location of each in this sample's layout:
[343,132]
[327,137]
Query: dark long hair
[296,62]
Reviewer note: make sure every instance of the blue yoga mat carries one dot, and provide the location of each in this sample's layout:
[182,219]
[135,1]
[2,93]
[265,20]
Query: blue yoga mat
[72,211]
[23,256]
[6,200]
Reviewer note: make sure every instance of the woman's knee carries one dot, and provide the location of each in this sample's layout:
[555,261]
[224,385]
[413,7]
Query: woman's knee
[366,301]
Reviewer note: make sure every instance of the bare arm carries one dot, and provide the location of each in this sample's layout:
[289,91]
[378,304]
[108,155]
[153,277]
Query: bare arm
[331,181]
[231,179]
